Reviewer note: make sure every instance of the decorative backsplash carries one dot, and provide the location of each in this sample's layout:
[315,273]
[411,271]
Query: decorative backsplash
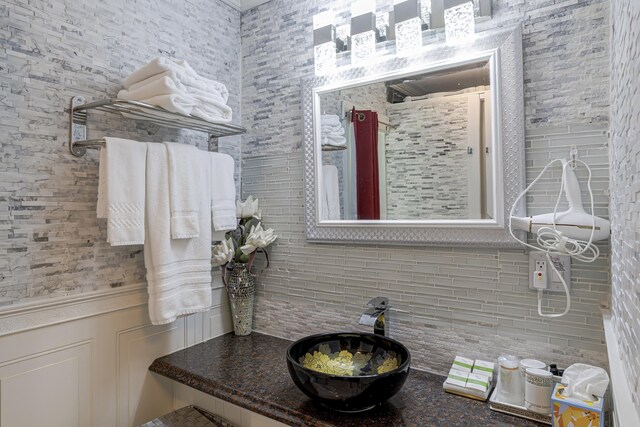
[433,130]
[471,301]
[625,197]
[52,242]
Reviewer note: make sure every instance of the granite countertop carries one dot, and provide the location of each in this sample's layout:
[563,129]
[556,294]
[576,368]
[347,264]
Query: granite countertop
[251,372]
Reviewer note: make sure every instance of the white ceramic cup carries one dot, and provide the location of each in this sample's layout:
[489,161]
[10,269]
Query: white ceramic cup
[538,388]
[531,363]
[510,383]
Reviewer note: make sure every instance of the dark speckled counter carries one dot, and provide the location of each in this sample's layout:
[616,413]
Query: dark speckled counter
[251,372]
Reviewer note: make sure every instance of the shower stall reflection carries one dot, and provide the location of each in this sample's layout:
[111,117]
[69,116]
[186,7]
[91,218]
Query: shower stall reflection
[410,149]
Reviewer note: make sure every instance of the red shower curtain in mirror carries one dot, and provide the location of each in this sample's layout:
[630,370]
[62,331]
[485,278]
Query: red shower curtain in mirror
[365,124]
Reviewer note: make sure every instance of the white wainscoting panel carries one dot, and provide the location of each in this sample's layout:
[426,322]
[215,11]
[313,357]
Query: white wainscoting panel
[84,362]
[45,389]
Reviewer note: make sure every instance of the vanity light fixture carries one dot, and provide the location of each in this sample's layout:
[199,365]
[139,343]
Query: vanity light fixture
[406,14]
[363,31]
[343,37]
[459,21]
[382,25]
[324,43]
[425,13]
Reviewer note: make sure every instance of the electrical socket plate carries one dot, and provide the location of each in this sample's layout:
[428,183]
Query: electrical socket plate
[561,262]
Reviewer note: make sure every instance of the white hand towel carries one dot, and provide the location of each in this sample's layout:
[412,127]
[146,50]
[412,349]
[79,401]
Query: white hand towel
[223,192]
[103,183]
[212,93]
[178,271]
[186,177]
[125,187]
[182,71]
[331,192]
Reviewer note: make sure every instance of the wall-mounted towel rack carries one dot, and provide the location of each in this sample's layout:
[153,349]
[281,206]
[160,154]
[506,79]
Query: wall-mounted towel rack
[78,142]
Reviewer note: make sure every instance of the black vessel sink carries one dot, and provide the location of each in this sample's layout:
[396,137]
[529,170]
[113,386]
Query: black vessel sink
[348,372]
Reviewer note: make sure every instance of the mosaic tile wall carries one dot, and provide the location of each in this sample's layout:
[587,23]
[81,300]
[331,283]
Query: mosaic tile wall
[625,180]
[453,301]
[51,242]
[425,158]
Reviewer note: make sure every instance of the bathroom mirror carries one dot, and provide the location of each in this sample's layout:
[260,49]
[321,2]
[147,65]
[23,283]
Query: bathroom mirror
[427,149]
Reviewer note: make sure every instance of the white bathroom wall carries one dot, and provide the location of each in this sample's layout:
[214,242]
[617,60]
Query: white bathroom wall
[455,300]
[625,183]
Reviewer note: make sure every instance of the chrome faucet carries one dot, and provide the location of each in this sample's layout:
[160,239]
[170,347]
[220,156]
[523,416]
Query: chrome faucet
[377,316]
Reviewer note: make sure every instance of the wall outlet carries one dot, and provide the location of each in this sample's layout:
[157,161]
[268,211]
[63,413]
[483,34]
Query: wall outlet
[538,262]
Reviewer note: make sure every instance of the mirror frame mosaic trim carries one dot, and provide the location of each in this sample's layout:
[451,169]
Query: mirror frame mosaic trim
[504,48]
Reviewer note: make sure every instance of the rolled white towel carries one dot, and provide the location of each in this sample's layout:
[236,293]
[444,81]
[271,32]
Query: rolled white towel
[181,70]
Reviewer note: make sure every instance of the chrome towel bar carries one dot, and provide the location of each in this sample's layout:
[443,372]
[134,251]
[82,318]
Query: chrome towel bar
[78,142]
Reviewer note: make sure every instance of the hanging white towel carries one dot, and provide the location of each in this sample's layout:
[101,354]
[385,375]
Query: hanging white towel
[181,70]
[223,192]
[178,270]
[186,177]
[331,193]
[121,190]
[101,207]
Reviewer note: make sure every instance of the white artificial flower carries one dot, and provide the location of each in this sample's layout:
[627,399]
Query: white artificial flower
[246,209]
[223,253]
[258,238]
[258,214]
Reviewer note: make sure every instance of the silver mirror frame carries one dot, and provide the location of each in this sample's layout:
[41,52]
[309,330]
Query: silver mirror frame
[504,51]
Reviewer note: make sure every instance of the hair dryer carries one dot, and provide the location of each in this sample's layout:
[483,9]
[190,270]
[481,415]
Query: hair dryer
[573,223]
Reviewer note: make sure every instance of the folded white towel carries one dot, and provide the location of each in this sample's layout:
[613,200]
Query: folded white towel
[190,106]
[178,271]
[334,130]
[223,192]
[330,120]
[331,130]
[186,177]
[336,141]
[121,189]
[181,70]
[166,86]
[331,192]
[212,93]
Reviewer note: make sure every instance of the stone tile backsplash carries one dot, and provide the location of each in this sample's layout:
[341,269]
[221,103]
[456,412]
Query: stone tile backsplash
[452,300]
[625,179]
[51,242]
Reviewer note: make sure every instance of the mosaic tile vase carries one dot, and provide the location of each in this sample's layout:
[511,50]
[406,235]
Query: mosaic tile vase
[241,288]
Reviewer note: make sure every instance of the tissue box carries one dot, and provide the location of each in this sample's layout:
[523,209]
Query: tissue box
[573,412]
